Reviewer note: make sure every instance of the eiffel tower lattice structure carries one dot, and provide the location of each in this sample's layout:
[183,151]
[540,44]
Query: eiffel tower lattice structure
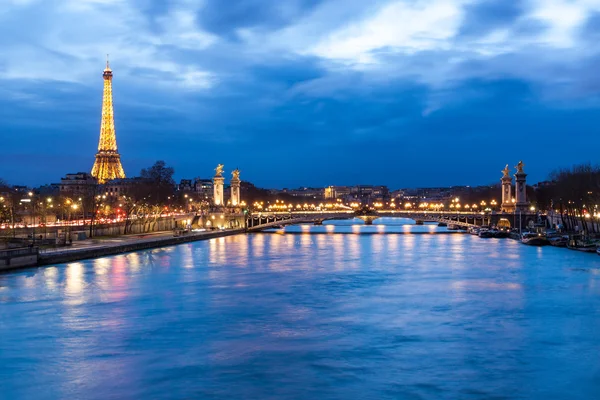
[108,161]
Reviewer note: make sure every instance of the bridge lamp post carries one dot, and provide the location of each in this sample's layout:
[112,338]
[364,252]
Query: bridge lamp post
[515,214]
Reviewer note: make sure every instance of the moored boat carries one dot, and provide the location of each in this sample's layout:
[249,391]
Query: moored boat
[474,230]
[534,239]
[559,241]
[500,234]
[587,246]
[486,233]
[514,234]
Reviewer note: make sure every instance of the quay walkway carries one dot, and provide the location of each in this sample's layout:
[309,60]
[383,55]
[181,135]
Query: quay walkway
[100,247]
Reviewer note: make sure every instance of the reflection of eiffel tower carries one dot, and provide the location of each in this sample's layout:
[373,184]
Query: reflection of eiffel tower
[108,161]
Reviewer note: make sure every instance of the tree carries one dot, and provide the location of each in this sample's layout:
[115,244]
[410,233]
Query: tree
[156,185]
[574,192]
[4,202]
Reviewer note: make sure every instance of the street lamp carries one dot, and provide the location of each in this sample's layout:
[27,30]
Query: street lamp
[31,200]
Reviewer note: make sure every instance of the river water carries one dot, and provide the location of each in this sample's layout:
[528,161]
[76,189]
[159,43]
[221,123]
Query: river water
[308,316]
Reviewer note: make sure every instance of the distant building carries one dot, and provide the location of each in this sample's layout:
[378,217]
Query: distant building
[304,193]
[120,187]
[397,194]
[367,194]
[77,184]
[543,184]
[202,187]
[337,192]
[185,185]
[20,189]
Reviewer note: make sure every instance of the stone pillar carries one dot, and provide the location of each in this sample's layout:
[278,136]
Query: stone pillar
[507,204]
[218,182]
[521,188]
[235,188]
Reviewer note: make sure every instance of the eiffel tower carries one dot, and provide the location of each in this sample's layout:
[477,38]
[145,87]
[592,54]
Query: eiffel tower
[108,161]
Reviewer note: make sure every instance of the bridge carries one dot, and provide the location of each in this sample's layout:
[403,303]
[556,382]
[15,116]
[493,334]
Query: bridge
[258,221]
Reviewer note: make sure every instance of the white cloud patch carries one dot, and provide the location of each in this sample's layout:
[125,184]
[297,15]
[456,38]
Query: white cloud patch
[412,27]
[71,39]
[563,18]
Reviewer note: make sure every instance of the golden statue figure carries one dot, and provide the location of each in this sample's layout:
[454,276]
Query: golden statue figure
[219,170]
[235,174]
[519,167]
[506,172]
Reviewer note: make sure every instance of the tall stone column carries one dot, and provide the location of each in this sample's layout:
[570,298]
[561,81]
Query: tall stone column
[507,204]
[218,182]
[235,188]
[521,188]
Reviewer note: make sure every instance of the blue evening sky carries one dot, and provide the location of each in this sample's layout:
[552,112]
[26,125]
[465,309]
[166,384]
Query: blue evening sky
[303,92]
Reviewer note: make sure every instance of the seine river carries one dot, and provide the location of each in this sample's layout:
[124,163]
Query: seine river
[308,316]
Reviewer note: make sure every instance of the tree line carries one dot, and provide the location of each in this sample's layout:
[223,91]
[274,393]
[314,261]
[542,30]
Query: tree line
[573,192]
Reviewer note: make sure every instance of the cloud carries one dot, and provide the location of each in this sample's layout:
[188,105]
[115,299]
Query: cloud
[483,18]
[399,26]
[262,15]
[71,37]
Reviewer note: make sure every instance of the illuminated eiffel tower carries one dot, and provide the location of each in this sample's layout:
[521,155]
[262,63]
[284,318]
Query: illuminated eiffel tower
[108,161]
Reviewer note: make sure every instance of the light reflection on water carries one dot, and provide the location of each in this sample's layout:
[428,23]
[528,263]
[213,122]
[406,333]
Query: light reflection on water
[307,316]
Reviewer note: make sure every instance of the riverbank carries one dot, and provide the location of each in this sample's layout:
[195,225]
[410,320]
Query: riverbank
[118,245]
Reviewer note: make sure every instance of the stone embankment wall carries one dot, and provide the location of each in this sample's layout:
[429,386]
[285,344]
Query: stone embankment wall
[75,255]
[18,258]
[136,227]
[115,229]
